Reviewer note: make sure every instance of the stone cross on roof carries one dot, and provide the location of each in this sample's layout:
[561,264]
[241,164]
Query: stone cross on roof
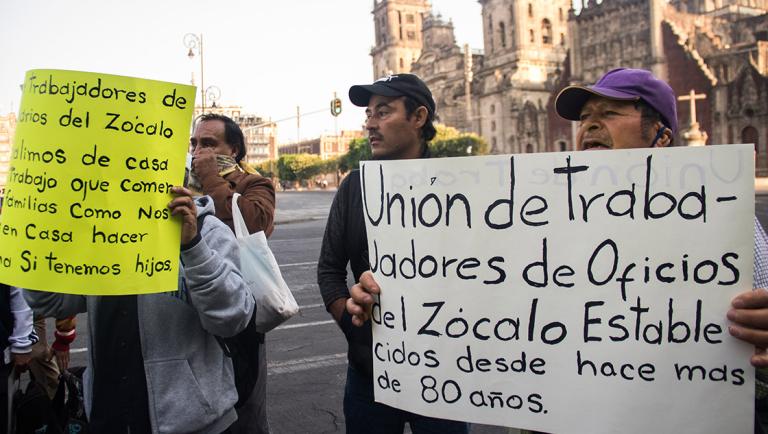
[692,97]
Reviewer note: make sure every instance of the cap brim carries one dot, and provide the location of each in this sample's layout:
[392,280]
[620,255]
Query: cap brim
[571,100]
[360,94]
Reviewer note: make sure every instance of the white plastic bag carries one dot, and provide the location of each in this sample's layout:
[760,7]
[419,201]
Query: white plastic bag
[274,302]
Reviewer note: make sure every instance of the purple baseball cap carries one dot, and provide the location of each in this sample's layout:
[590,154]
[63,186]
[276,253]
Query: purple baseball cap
[622,84]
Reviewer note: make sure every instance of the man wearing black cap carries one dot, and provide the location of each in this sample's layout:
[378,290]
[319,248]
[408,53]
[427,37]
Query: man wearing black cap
[398,116]
[630,108]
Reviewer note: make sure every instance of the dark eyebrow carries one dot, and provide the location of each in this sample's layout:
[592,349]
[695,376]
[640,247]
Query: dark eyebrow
[382,104]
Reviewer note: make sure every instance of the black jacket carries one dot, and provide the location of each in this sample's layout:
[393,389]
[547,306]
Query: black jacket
[345,241]
[6,318]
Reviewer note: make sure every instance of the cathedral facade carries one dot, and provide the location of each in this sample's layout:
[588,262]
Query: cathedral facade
[500,93]
[716,50]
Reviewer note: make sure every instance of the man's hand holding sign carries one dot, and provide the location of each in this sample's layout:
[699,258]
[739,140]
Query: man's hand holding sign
[183,206]
[362,298]
[749,317]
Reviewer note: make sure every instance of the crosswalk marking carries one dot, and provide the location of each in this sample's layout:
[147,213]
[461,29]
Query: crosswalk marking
[298,264]
[296,365]
[288,366]
[296,240]
[305,324]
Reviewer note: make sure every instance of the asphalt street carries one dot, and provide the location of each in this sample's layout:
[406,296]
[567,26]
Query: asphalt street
[307,354]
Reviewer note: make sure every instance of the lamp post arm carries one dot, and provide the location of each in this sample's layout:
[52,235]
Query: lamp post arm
[202,82]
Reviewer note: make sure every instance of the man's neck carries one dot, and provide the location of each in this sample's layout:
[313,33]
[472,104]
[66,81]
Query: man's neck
[415,152]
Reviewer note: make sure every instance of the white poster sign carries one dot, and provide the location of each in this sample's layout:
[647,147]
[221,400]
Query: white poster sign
[581,292]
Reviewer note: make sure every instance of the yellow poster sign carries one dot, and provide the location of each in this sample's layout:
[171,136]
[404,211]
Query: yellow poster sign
[92,164]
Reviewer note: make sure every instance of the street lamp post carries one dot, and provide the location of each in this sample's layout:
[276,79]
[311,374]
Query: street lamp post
[212,94]
[195,43]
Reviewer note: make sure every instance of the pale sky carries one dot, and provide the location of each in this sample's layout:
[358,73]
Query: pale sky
[267,56]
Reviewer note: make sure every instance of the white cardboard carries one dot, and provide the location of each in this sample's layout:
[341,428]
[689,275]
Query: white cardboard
[422,319]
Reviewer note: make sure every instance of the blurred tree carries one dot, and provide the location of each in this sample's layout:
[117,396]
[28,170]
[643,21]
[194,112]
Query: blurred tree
[450,142]
[445,132]
[267,168]
[330,165]
[359,149]
[298,167]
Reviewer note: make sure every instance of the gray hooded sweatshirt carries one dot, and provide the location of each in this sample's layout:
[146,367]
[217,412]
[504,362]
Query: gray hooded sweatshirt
[190,382]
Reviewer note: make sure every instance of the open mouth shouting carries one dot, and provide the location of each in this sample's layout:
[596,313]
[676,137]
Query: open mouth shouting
[594,145]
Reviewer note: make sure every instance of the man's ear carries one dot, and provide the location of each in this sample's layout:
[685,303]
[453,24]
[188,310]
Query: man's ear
[665,136]
[420,116]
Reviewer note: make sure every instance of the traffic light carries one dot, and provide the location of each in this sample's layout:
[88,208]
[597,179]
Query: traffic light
[335,106]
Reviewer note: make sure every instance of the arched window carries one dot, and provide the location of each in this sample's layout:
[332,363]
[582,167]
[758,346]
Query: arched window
[493,125]
[561,146]
[402,63]
[530,10]
[529,148]
[490,31]
[749,135]
[533,35]
[503,34]
[546,32]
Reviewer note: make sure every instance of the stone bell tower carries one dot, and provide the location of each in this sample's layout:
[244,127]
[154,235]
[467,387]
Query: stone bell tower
[397,25]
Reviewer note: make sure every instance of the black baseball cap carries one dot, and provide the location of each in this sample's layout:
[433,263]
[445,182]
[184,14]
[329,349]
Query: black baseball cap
[394,85]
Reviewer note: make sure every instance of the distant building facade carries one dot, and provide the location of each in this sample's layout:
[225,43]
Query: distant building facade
[327,146]
[260,138]
[260,134]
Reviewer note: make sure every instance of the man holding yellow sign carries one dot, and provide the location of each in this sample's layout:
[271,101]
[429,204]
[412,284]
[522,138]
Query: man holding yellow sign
[155,364]
[92,223]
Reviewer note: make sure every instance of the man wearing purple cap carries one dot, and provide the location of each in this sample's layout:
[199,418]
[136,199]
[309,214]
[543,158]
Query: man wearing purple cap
[626,108]
[398,116]
[630,108]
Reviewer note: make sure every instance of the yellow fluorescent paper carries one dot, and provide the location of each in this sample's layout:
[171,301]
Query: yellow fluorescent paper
[92,164]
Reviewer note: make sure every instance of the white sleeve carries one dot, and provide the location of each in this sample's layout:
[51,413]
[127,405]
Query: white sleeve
[23,335]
